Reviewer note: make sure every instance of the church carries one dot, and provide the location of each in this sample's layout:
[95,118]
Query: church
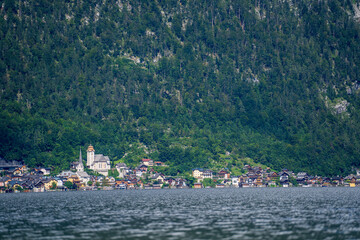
[97,162]
[80,172]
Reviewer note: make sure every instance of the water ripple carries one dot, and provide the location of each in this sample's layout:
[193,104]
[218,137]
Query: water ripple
[293,213]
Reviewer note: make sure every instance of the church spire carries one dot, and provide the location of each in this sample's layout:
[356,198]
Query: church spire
[80,157]
[81,165]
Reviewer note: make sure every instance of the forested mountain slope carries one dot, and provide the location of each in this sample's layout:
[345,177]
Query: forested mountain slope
[182,82]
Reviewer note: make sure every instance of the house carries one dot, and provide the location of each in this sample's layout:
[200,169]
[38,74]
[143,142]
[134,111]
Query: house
[39,186]
[83,176]
[227,182]
[313,181]
[147,162]
[326,184]
[207,174]
[353,182]
[131,185]
[121,186]
[198,185]
[98,162]
[117,182]
[18,172]
[148,187]
[45,171]
[122,169]
[349,177]
[284,177]
[28,185]
[197,173]
[158,163]
[171,181]
[60,182]
[242,179]
[258,182]
[274,176]
[357,180]
[302,177]
[326,180]
[15,185]
[257,170]
[138,173]
[247,167]
[75,180]
[252,175]
[4,181]
[143,168]
[251,180]
[224,174]
[219,186]
[65,174]
[157,186]
[337,181]
[235,181]
[267,178]
[23,169]
[158,177]
[111,181]
[49,183]
[180,183]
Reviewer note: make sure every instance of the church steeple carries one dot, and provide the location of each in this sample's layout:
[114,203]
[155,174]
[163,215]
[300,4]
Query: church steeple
[80,167]
[80,157]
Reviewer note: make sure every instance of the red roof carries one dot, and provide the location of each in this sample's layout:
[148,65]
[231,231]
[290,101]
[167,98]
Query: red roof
[146,160]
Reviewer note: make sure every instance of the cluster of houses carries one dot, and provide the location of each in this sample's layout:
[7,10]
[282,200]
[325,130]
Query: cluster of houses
[16,177]
[258,177]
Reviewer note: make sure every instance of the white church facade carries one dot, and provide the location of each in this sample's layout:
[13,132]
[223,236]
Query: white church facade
[97,162]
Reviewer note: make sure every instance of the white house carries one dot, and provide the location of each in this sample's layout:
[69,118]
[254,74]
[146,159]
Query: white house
[235,181]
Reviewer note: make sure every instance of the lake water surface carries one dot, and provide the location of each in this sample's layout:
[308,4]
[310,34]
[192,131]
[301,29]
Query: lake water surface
[256,213]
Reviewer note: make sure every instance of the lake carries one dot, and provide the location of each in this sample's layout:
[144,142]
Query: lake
[242,213]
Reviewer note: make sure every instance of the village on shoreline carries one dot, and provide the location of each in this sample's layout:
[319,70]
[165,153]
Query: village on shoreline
[98,175]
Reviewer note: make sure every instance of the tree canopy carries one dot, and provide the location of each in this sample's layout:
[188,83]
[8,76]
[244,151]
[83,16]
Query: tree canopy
[182,82]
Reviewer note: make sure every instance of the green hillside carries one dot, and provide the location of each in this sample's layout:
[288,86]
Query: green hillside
[182,82]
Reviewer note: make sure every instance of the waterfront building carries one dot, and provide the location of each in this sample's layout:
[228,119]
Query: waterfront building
[197,173]
[207,174]
[235,181]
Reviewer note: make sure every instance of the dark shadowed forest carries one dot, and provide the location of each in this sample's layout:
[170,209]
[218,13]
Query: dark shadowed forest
[183,82]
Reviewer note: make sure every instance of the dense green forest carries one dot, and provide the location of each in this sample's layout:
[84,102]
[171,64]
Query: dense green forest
[183,82]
